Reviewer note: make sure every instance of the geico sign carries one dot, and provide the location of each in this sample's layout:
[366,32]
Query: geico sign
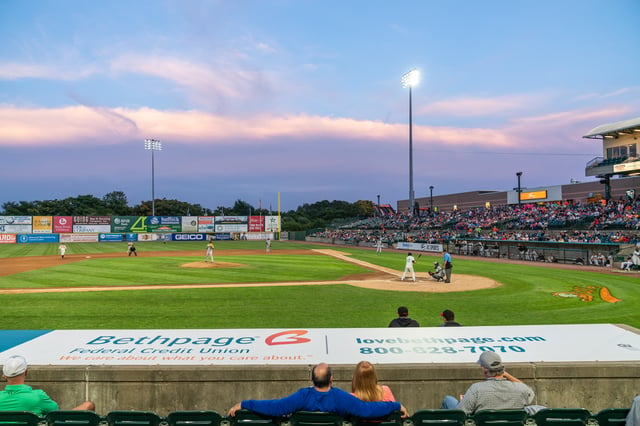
[189,237]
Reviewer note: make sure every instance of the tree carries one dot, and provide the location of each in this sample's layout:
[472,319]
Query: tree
[116,203]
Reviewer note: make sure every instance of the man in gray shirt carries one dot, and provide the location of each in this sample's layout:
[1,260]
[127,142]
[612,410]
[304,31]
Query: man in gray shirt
[500,390]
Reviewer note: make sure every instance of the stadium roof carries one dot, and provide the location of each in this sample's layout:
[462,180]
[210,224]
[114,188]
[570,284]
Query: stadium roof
[613,128]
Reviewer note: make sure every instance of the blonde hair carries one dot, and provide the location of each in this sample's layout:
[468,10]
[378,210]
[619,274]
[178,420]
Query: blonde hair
[364,383]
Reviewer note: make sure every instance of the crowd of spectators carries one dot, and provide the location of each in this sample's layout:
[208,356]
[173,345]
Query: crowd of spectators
[614,222]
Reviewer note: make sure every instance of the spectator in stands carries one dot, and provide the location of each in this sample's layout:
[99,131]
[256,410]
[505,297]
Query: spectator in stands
[633,418]
[403,319]
[364,384]
[449,319]
[500,390]
[322,396]
[17,396]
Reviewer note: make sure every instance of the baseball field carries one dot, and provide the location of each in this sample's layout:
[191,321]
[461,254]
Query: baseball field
[169,285]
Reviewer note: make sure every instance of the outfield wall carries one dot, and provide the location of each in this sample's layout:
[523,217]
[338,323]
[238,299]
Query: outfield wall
[592,385]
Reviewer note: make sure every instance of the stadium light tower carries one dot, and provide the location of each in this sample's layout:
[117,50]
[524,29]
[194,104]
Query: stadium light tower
[431,200]
[409,80]
[153,145]
[519,174]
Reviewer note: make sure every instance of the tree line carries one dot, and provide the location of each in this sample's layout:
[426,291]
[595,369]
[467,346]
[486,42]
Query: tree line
[115,203]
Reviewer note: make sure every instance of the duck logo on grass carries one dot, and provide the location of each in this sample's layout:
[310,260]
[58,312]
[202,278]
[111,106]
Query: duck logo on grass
[585,293]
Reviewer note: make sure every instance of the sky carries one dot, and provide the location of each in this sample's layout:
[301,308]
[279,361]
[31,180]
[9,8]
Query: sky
[303,98]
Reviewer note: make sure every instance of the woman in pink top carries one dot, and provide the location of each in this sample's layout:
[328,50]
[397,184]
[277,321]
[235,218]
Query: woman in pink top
[364,384]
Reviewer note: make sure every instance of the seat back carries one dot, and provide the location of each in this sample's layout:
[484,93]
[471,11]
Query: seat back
[133,418]
[499,417]
[315,418]
[249,418]
[73,418]
[612,416]
[393,419]
[194,418]
[19,418]
[562,416]
[438,417]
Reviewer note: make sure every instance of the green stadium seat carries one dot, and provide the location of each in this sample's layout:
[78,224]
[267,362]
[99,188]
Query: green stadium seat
[393,419]
[73,418]
[133,418]
[19,418]
[562,416]
[438,417]
[499,417]
[194,418]
[612,416]
[315,418]
[249,418]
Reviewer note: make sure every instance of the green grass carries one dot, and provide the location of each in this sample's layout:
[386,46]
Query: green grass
[524,298]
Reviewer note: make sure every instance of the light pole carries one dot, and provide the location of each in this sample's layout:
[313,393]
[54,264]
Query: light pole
[153,145]
[431,200]
[409,80]
[519,174]
[379,213]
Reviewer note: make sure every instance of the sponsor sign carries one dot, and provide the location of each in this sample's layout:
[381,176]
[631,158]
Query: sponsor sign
[271,223]
[92,220]
[189,224]
[533,195]
[626,167]
[103,238]
[131,237]
[232,220]
[37,238]
[62,224]
[256,224]
[419,345]
[78,238]
[206,224]
[7,238]
[15,220]
[42,225]
[15,229]
[164,224]
[154,237]
[436,248]
[230,227]
[125,224]
[259,236]
[189,237]
[223,236]
[80,229]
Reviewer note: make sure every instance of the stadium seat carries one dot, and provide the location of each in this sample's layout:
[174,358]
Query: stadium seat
[73,418]
[438,417]
[133,418]
[562,416]
[499,417]
[313,418]
[392,419]
[612,416]
[249,418]
[19,418]
[194,418]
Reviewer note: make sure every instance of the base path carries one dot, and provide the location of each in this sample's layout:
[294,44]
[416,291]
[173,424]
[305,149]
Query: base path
[381,278]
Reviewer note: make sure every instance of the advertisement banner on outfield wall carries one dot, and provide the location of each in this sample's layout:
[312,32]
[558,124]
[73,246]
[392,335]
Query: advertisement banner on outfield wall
[154,237]
[434,248]
[259,236]
[164,224]
[78,238]
[189,224]
[105,238]
[15,220]
[42,225]
[348,346]
[92,220]
[222,236]
[232,223]
[90,229]
[256,224]
[206,224]
[271,223]
[189,237]
[15,229]
[125,224]
[38,238]
[7,238]
[62,224]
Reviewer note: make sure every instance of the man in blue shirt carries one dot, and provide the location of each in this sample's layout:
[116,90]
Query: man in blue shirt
[320,397]
[446,262]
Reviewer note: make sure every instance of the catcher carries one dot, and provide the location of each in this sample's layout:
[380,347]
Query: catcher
[438,274]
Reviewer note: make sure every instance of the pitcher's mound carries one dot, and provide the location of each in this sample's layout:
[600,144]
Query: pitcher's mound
[204,264]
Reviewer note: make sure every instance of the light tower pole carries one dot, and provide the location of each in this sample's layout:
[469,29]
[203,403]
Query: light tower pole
[409,80]
[519,174]
[431,200]
[153,145]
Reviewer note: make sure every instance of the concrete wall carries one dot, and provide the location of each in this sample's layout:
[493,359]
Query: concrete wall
[591,385]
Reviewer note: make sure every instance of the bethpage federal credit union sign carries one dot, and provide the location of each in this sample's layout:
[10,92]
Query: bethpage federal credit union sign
[549,343]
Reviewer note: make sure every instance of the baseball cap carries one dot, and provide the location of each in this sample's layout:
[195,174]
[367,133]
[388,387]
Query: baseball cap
[447,314]
[14,366]
[490,360]
[403,311]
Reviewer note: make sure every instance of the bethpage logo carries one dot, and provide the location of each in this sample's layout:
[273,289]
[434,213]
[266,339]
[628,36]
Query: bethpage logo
[290,337]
